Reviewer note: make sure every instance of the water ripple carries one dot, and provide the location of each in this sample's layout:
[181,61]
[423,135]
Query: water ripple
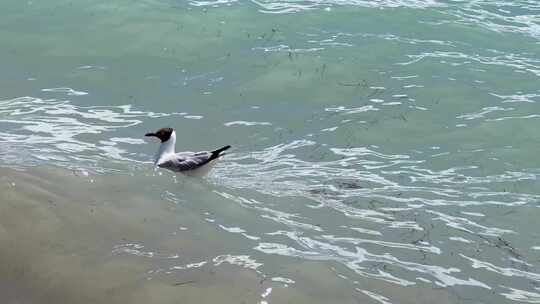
[364,185]
[521,295]
[291,6]
[52,129]
[502,16]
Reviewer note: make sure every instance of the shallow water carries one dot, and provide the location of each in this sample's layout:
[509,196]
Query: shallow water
[383,151]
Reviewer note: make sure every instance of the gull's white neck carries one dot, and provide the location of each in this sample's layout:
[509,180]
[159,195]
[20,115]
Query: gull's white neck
[166,148]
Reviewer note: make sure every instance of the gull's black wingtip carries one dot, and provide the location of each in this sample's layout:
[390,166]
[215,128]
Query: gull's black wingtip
[227,147]
[217,153]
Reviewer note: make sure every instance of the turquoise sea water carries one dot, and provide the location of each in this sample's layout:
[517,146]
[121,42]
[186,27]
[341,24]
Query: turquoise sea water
[389,146]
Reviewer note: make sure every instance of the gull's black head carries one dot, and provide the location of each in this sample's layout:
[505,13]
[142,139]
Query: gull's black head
[163,134]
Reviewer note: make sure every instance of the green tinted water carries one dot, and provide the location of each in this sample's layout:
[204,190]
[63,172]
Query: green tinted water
[384,149]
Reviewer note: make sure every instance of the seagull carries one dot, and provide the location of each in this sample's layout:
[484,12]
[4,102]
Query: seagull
[189,163]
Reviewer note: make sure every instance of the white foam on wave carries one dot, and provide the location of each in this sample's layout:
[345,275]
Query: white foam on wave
[246,123]
[459,239]
[59,130]
[193,116]
[244,261]
[377,297]
[283,280]
[282,171]
[514,61]
[68,91]
[521,295]
[345,110]
[292,6]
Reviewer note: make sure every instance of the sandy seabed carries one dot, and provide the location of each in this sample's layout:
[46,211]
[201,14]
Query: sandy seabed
[59,231]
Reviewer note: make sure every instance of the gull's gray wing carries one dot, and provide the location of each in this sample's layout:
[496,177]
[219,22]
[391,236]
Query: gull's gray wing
[186,161]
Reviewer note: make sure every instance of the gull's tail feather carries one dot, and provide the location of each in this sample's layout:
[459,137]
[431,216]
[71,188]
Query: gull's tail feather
[217,153]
